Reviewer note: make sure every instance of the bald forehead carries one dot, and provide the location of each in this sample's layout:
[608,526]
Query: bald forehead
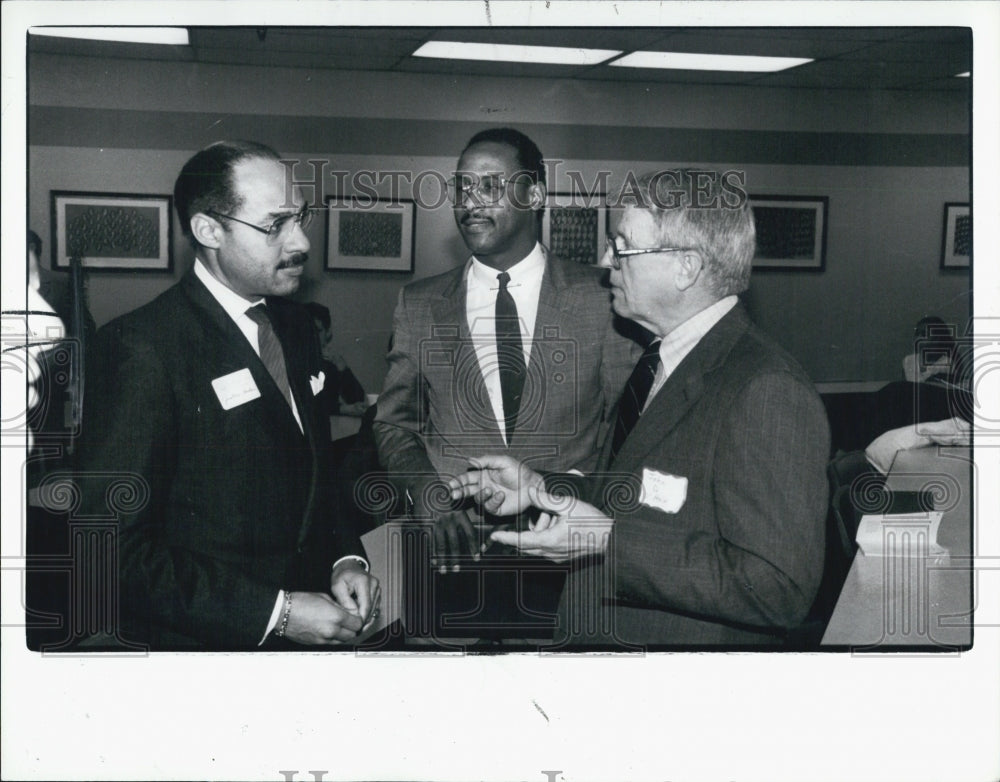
[262,186]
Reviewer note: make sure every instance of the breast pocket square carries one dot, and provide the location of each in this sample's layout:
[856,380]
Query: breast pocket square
[235,389]
[663,491]
[317,383]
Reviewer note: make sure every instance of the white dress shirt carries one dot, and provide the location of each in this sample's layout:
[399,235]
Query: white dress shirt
[236,308]
[675,346]
[482,287]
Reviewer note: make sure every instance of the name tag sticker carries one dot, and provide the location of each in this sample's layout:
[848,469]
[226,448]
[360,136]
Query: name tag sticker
[663,491]
[235,389]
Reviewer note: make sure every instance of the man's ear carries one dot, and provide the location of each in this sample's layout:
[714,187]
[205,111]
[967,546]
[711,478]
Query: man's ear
[689,269]
[206,230]
[536,195]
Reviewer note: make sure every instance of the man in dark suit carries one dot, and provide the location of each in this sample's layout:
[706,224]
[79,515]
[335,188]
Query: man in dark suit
[342,393]
[514,350]
[704,525]
[205,400]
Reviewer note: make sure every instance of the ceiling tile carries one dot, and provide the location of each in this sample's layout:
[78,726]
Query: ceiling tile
[665,75]
[708,42]
[860,74]
[913,51]
[574,37]
[482,68]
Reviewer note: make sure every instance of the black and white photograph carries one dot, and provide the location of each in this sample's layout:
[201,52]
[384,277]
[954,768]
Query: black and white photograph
[388,383]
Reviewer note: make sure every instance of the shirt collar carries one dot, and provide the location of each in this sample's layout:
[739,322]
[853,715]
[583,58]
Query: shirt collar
[698,325]
[529,268]
[234,304]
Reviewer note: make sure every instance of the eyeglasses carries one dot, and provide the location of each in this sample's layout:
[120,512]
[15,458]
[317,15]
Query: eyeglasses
[484,190]
[275,230]
[617,255]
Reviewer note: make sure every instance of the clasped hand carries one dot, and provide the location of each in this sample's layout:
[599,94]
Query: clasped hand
[338,617]
[567,528]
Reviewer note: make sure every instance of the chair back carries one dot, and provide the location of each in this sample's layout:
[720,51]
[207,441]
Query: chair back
[856,488]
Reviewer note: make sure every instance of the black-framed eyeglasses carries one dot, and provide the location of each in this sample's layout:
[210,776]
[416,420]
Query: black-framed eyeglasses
[617,255]
[487,189]
[279,227]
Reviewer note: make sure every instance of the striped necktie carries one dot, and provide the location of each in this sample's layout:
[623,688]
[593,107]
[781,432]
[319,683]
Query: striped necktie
[270,349]
[635,395]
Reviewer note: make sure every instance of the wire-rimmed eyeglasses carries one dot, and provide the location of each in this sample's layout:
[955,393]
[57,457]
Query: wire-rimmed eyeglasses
[617,255]
[486,189]
[279,226]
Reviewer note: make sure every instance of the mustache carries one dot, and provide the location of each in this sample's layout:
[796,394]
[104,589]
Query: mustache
[477,214]
[298,259]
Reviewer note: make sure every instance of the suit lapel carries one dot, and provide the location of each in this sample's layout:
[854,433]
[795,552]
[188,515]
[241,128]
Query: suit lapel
[681,391]
[237,353]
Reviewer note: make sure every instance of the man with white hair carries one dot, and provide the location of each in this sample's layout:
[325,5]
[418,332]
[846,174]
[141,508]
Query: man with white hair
[704,523]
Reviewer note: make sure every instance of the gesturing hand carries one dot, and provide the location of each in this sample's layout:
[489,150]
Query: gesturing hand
[502,485]
[316,619]
[568,529]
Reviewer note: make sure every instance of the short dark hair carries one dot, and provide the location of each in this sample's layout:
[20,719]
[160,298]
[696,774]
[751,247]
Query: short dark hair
[529,156]
[205,184]
[319,312]
[35,243]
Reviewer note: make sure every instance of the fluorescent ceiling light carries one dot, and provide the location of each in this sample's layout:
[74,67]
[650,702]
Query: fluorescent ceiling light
[691,61]
[502,52]
[177,36]
[962,75]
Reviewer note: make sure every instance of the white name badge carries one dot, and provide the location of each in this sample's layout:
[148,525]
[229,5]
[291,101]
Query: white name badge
[663,491]
[235,389]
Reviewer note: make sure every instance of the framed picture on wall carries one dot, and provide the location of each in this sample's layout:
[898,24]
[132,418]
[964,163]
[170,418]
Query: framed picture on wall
[575,226]
[112,231]
[956,245]
[370,234]
[791,232]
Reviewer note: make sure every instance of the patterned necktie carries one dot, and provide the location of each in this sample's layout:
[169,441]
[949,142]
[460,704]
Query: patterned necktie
[634,397]
[270,349]
[510,355]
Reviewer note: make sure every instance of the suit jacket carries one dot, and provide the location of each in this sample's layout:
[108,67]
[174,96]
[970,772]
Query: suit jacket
[434,412]
[230,505]
[719,495]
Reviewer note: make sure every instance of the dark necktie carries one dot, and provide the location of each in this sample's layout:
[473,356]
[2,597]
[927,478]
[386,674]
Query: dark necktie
[270,349]
[635,395]
[510,355]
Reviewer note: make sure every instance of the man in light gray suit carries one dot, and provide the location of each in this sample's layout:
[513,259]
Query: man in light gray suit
[704,524]
[514,351]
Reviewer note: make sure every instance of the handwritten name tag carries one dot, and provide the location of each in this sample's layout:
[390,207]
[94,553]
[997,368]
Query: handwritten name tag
[663,491]
[235,389]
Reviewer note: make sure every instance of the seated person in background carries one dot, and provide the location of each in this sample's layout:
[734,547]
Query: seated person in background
[938,384]
[342,394]
[883,449]
[934,346]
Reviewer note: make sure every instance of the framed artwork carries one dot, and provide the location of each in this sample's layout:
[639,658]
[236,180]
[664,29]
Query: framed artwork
[112,231]
[956,247]
[575,226]
[370,234]
[791,232]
